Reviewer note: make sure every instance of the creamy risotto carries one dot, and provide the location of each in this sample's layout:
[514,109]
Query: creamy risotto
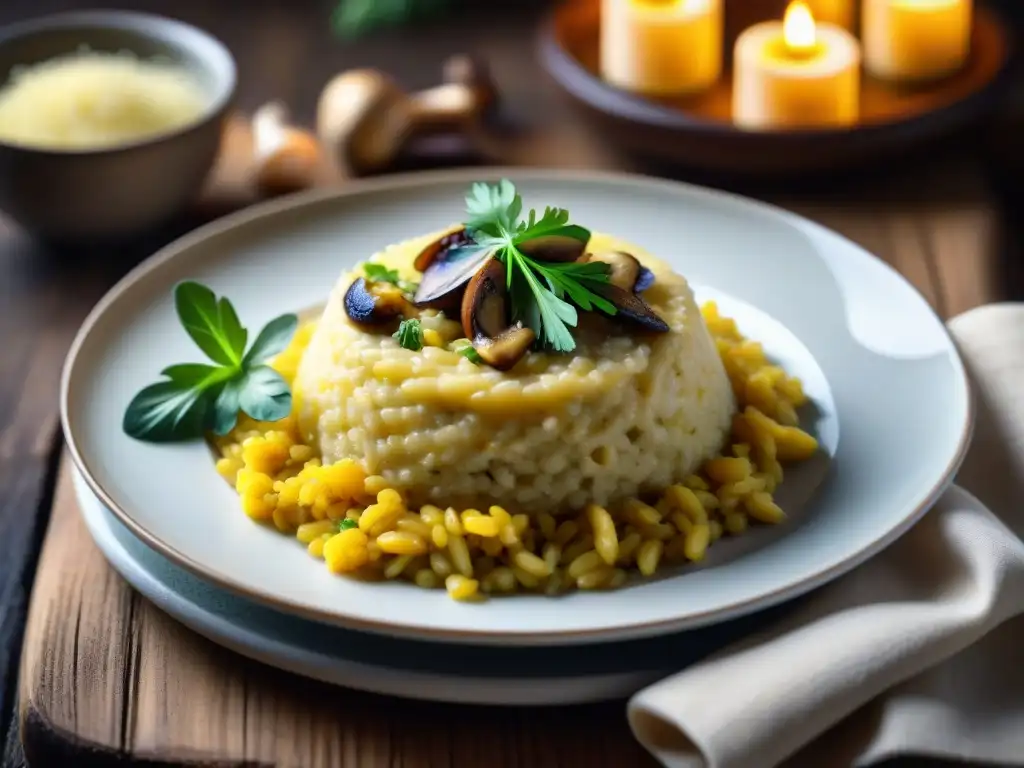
[619,417]
[512,404]
[445,430]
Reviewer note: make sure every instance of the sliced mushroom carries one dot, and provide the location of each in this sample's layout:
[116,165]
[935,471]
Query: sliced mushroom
[627,272]
[507,348]
[632,309]
[373,304]
[554,248]
[446,271]
[436,248]
[485,319]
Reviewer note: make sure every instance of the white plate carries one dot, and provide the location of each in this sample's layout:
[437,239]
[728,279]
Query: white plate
[412,669]
[883,373]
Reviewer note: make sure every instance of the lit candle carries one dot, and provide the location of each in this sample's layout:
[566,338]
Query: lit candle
[796,74]
[916,40]
[839,12]
[662,47]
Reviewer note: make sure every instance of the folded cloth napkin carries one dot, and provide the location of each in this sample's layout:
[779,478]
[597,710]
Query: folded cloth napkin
[920,651]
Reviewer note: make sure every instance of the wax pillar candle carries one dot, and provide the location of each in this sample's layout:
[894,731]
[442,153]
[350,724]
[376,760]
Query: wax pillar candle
[916,40]
[838,12]
[661,47]
[796,74]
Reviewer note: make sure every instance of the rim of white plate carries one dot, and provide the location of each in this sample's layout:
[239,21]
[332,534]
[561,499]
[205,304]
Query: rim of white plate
[425,179]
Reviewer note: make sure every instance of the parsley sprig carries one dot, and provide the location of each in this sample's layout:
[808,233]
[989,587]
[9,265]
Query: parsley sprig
[378,273]
[545,295]
[196,397]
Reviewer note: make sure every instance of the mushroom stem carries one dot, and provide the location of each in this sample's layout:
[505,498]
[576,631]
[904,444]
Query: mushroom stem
[287,159]
[467,94]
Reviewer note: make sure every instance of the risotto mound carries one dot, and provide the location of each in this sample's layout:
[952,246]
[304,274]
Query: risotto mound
[360,525]
[620,417]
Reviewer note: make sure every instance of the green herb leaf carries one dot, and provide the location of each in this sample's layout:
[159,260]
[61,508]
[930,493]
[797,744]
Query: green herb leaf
[469,352]
[378,273]
[346,524]
[272,339]
[197,375]
[409,334]
[493,210]
[540,291]
[353,18]
[197,396]
[212,324]
[225,407]
[166,411]
[265,395]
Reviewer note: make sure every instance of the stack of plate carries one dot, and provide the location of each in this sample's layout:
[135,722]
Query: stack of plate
[891,412]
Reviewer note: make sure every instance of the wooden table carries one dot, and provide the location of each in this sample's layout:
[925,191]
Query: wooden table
[943,224]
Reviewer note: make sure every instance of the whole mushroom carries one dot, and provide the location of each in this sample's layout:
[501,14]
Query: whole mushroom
[363,118]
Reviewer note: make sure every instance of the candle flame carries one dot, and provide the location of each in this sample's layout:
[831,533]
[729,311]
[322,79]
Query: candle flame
[798,28]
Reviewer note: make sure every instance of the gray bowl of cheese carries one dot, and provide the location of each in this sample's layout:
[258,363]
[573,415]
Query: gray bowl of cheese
[110,122]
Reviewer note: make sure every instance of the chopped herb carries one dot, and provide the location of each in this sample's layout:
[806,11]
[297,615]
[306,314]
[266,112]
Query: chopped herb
[378,273]
[469,352]
[196,397]
[410,334]
[346,524]
[541,291]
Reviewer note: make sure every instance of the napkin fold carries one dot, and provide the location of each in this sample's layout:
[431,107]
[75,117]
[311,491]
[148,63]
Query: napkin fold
[920,651]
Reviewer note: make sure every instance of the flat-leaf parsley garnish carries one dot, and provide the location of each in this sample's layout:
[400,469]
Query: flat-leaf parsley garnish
[378,273]
[196,397]
[544,294]
[409,334]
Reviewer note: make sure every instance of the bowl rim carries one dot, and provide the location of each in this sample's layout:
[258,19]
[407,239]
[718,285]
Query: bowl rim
[145,25]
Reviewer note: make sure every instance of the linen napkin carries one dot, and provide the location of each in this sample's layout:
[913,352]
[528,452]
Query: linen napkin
[920,651]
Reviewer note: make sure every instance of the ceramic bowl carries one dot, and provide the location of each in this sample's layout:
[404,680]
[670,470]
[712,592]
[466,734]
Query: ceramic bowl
[112,193]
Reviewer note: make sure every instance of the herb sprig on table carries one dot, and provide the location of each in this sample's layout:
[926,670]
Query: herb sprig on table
[353,18]
[538,289]
[196,397]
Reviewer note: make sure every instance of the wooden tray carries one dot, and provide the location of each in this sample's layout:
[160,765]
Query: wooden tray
[698,131]
[105,676]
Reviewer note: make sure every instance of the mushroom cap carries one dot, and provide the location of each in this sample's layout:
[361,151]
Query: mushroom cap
[445,278]
[631,309]
[559,248]
[626,270]
[363,119]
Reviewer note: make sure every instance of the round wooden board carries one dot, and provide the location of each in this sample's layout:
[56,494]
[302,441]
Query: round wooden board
[698,131]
